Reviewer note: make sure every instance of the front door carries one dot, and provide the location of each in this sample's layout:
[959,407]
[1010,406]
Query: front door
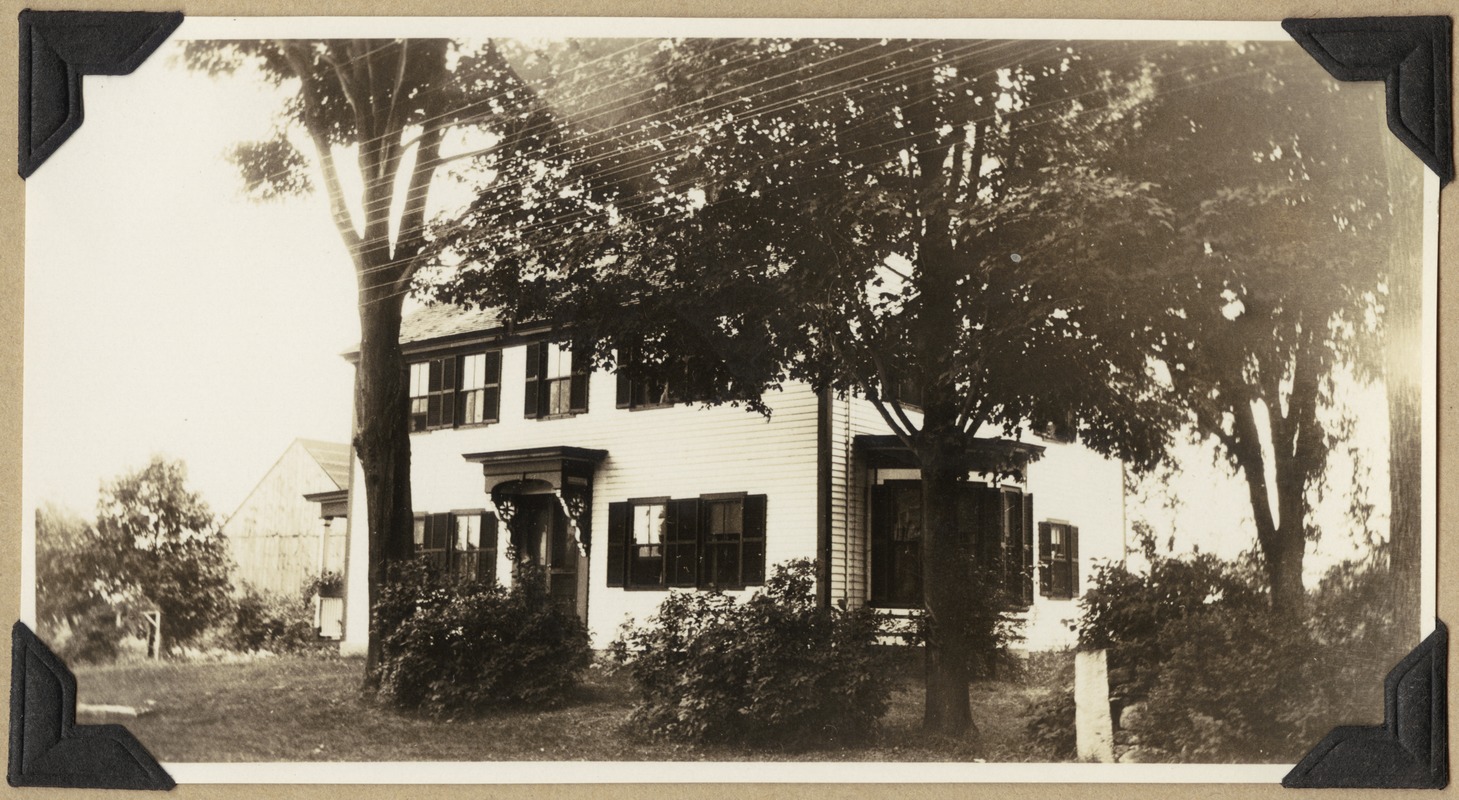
[542,534]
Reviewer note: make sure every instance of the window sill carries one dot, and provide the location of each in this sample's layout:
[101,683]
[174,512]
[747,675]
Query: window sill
[463,426]
[549,417]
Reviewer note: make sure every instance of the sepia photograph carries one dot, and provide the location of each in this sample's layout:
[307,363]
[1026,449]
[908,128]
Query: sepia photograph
[1005,396]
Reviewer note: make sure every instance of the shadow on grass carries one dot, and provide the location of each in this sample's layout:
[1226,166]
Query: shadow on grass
[312,709]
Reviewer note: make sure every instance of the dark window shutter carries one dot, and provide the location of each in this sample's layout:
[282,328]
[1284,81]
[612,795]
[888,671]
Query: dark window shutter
[987,526]
[433,410]
[617,542]
[492,397]
[448,390]
[486,568]
[881,541]
[532,398]
[1073,561]
[444,535]
[577,399]
[681,547]
[1045,551]
[624,396]
[1027,544]
[752,565]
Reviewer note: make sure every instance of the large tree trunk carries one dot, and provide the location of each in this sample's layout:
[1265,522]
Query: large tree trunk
[382,440]
[1402,380]
[948,594]
[1282,536]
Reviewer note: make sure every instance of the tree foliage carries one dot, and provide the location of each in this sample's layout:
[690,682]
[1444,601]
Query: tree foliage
[66,586]
[157,547]
[1279,273]
[391,109]
[953,216]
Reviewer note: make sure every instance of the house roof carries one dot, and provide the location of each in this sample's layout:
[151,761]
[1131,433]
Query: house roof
[438,321]
[333,457]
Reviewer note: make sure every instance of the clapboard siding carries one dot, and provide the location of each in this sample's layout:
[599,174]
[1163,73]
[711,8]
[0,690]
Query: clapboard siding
[274,536]
[687,451]
[1070,483]
[681,451]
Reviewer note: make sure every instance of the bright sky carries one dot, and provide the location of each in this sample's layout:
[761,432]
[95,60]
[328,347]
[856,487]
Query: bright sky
[166,313]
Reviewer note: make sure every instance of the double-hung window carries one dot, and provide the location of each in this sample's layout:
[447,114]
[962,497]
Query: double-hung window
[480,393]
[1058,560]
[996,520]
[709,541]
[460,543]
[455,390]
[557,381]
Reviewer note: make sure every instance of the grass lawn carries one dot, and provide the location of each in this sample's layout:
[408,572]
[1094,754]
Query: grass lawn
[309,709]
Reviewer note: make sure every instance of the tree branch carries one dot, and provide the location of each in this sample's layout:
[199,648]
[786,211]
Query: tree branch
[339,211]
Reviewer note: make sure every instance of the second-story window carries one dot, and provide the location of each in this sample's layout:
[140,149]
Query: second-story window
[683,379]
[455,390]
[433,393]
[480,397]
[557,381]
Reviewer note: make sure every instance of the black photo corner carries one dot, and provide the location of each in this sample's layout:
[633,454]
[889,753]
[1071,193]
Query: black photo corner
[1411,55]
[48,748]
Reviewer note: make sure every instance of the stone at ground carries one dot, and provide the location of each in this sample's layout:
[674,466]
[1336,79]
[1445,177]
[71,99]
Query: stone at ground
[1132,716]
[1142,755]
[1094,733]
[102,710]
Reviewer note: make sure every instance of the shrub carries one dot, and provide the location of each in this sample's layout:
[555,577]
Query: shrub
[272,622]
[992,630]
[1050,725]
[453,646]
[95,637]
[1124,611]
[1237,686]
[1225,679]
[774,669]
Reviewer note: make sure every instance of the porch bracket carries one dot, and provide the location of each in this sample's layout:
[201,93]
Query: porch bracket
[574,503]
[48,748]
[1410,750]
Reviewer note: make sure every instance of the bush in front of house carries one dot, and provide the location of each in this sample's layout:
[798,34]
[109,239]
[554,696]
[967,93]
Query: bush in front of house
[1123,611]
[774,669]
[459,647]
[1238,686]
[272,622]
[1050,725]
[1215,676]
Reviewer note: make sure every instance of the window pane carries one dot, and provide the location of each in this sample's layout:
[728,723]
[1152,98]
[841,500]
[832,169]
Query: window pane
[471,409]
[648,524]
[473,370]
[559,400]
[559,361]
[907,526]
[724,566]
[420,532]
[468,532]
[418,373]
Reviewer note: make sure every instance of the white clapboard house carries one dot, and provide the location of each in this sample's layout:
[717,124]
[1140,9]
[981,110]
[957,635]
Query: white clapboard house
[624,496]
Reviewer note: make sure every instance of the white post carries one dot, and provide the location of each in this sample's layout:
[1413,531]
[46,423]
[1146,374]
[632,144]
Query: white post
[1094,732]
